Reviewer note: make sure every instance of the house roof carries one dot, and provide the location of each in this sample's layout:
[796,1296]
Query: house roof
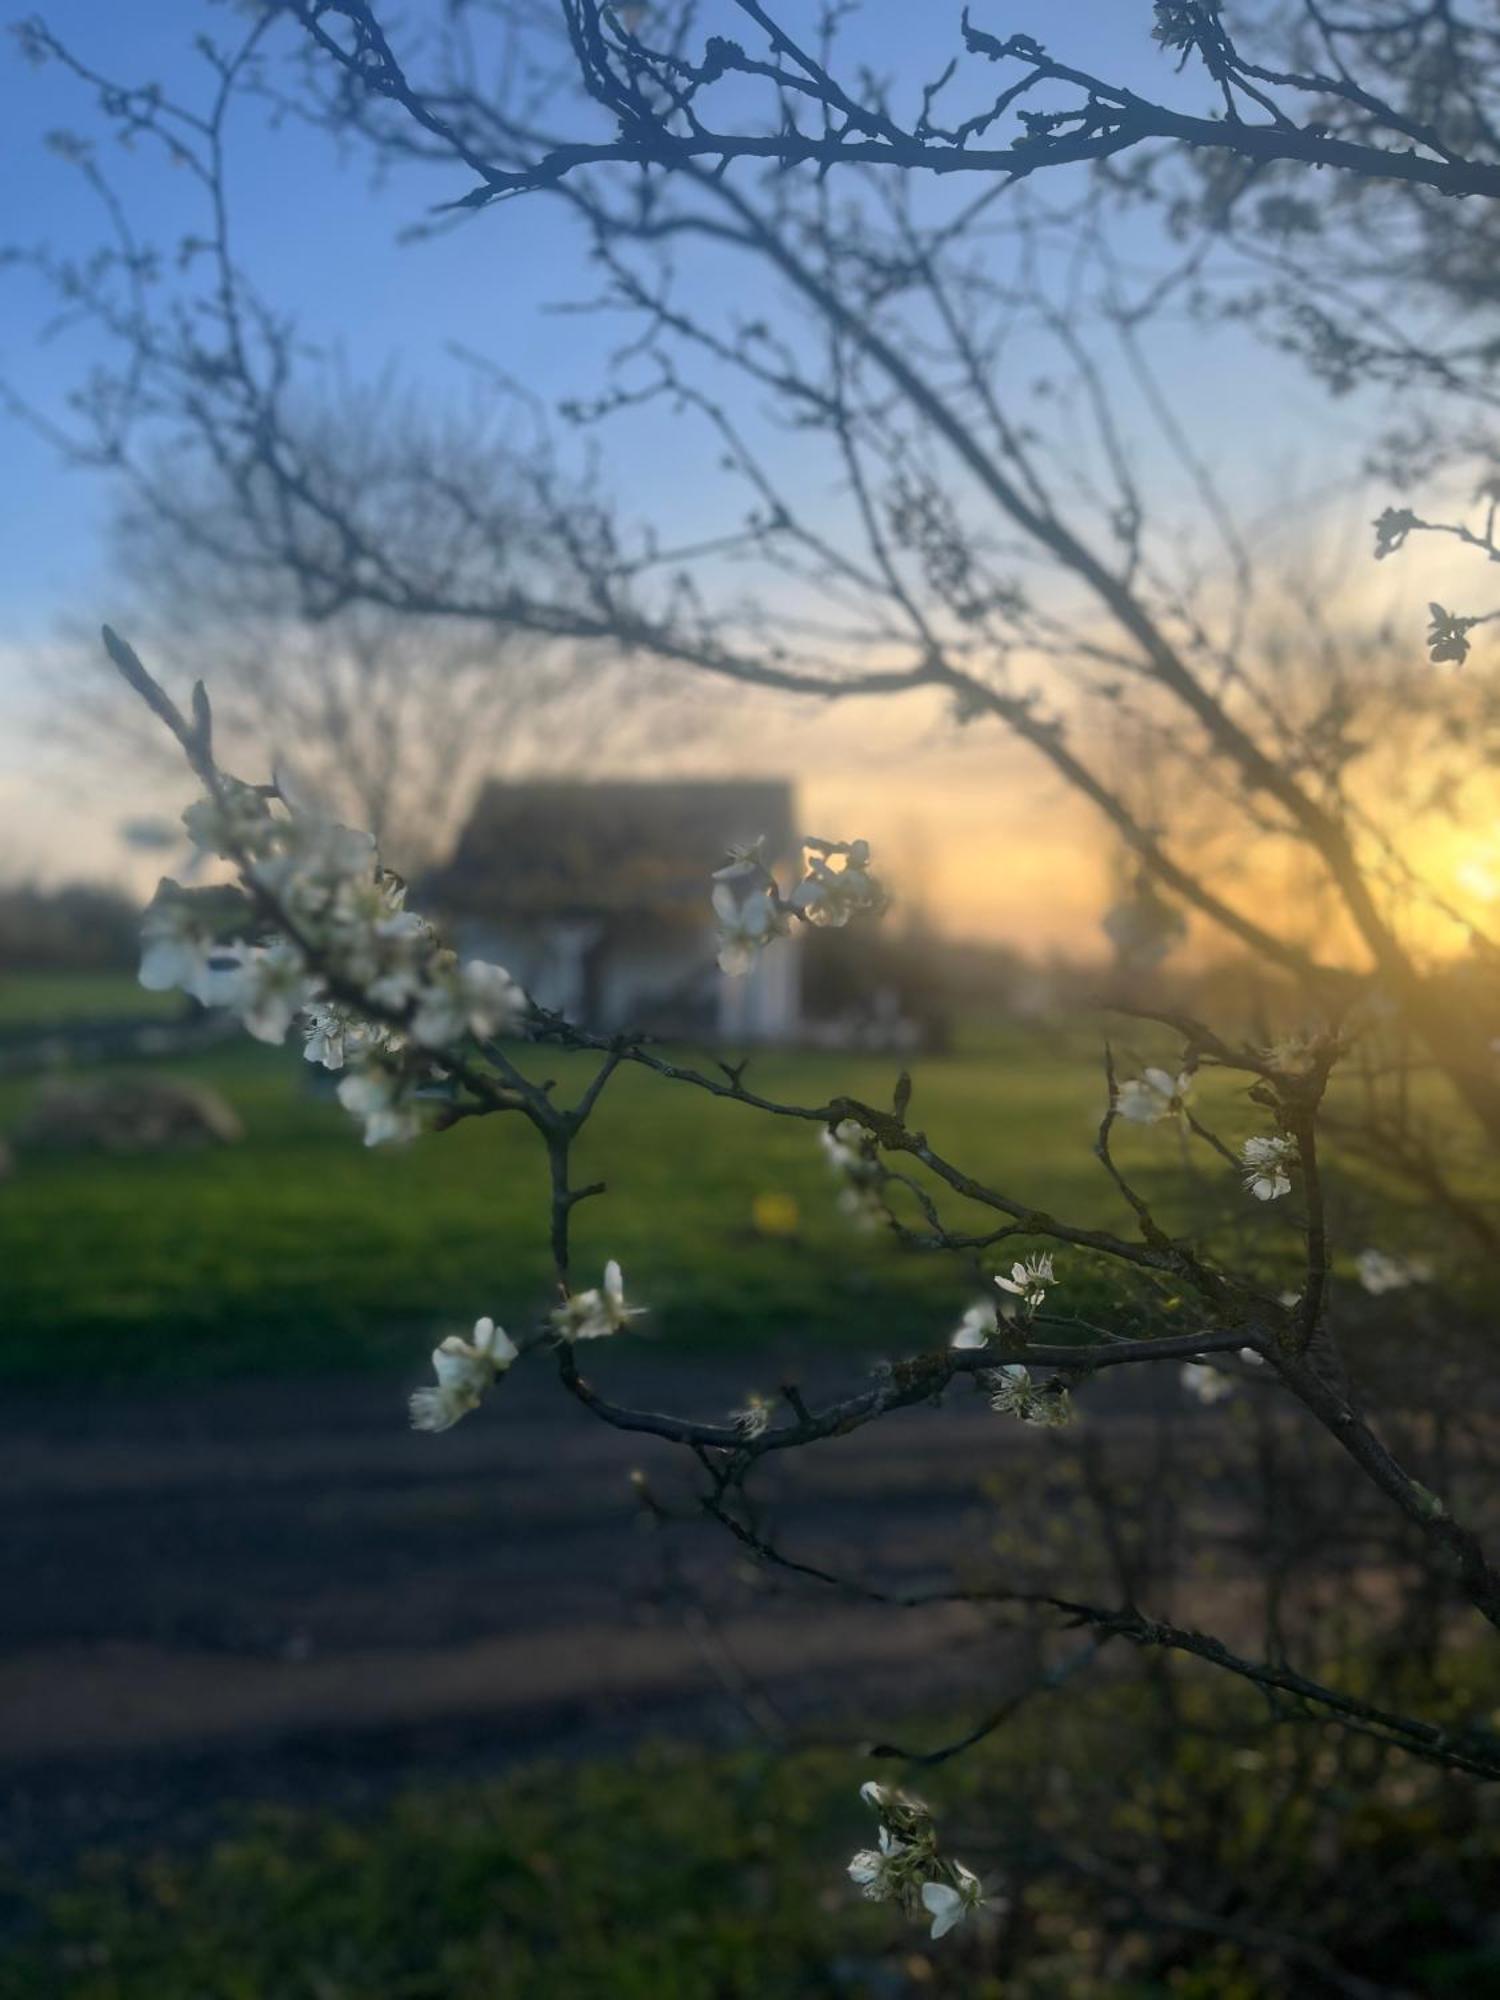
[570,847]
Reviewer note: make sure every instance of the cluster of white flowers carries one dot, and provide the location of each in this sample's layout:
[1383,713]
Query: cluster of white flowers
[829,896]
[347,924]
[748,908]
[751,911]
[465,1369]
[334,1035]
[265,984]
[1154,1095]
[1379,1272]
[851,1153]
[1264,1164]
[379,1096]
[905,1867]
[595,1314]
[1028,1283]
[1013,1393]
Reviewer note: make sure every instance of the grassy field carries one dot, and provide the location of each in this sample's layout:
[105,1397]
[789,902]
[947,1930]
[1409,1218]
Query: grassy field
[298,1250]
[32,998]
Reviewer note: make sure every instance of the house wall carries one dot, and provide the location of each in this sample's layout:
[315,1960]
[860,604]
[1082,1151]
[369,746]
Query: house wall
[659,981]
[643,981]
[547,957]
[766,1005]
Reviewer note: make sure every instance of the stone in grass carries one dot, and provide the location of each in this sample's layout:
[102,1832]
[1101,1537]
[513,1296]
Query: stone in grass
[135,1114]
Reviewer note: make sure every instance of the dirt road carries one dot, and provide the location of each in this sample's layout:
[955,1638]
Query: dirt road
[276,1590]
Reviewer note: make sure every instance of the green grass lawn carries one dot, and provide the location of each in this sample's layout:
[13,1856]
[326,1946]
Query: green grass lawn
[36,998]
[299,1250]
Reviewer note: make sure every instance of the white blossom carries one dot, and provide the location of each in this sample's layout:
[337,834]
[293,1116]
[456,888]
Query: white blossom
[846,1146]
[745,861]
[748,905]
[879,1871]
[905,1850]
[1204,1384]
[390,959]
[266,985]
[465,1369]
[1265,1166]
[1014,1394]
[593,1315]
[221,980]
[948,1903]
[1153,1095]
[174,949]
[978,1324]
[327,1029]
[273,989]
[335,1034]
[496,1003]
[237,822]
[314,869]
[1029,1281]
[829,896]
[379,1097]
[905,1867]
[747,924]
[345,913]
[365,902]
[1379,1272]
[477,998]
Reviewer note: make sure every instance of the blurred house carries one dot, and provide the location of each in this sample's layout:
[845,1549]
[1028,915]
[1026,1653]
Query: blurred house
[596,896]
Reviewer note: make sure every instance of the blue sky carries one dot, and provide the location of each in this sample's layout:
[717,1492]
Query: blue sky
[321,242]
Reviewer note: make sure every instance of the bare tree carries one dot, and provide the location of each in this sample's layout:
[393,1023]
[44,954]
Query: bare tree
[983,524]
[1398,94]
[391,719]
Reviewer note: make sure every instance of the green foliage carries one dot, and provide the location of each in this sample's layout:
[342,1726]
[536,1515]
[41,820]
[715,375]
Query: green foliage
[1237,1860]
[669,1878]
